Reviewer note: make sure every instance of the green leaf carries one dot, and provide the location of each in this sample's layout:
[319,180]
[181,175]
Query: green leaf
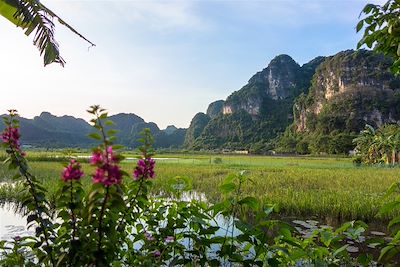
[8,9]
[394,221]
[218,207]
[273,262]
[360,24]
[386,253]
[326,237]
[249,201]
[389,207]
[109,123]
[209,231]
[271,208]
[344,227]
[95,136]
[340,250]
[227,188]
[112,132]
[117,147]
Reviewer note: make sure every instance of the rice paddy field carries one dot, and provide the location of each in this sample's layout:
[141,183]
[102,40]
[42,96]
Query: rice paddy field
[331,190]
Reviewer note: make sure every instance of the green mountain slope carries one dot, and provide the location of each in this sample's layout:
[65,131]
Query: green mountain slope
[317,107]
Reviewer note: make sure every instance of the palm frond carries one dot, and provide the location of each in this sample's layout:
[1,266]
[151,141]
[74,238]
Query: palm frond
[34,16]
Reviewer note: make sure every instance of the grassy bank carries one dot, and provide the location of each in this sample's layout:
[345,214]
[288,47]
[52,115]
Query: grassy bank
[330,189]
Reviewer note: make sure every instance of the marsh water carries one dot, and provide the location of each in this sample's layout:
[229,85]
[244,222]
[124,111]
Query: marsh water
[13,224]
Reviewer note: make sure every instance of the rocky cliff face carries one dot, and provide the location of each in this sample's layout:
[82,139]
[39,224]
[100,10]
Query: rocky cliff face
[215,109]
[259,110]
[278,81]
[356,84]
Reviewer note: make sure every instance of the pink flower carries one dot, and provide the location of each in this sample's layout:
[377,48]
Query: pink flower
[108,175]
[108,172]
[157,253]
[11,137]
[97,158]
[144,169]
[149,237]
[169,239]
[99,176]
[72,171]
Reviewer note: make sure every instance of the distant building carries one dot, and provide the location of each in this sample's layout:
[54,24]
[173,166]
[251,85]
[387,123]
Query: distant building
[244,152]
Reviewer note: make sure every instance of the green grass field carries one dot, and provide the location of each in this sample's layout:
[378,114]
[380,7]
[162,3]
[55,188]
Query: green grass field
[327,189]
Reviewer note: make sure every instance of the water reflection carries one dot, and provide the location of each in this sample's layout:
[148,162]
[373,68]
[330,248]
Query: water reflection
[12,223]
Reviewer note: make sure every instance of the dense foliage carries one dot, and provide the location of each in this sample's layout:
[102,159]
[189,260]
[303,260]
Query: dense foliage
[379,146]
[381,24]
[197,125]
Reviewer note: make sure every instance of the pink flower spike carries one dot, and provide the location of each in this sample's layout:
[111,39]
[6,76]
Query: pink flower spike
[11,136]
[144,169]
[72,171]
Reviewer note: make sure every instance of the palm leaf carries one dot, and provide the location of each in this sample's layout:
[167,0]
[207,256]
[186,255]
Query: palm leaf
[34,16]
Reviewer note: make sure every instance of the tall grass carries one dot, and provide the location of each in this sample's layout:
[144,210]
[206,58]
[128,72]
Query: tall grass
[330,189]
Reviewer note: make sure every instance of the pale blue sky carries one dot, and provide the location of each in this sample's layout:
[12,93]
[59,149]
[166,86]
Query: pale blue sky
[166,60]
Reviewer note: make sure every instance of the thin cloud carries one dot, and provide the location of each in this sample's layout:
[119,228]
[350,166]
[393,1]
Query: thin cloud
[161,15]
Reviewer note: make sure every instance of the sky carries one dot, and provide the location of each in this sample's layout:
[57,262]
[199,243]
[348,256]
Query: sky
[165,60]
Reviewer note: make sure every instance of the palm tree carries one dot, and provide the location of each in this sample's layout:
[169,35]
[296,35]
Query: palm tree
[394,138]
[365,143]
[32,15]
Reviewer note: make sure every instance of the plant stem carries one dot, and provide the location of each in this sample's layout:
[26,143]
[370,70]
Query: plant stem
[31,184]
[131,202]
[39,216]
[73,214]
[100,228]
[73,217]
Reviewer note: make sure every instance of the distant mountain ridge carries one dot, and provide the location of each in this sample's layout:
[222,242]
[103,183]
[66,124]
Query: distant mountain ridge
[50,131]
